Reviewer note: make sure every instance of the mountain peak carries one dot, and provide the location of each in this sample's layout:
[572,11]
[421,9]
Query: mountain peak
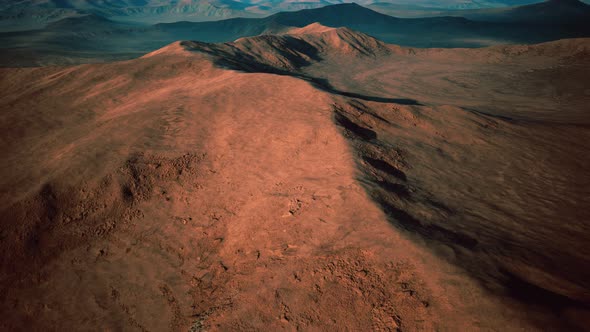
[290,51]
[339,40]
[90,22]
[176,47]
[332,15]
[313,28]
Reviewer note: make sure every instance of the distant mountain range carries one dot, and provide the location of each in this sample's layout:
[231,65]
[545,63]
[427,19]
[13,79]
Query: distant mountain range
[549,12]
[544,12]
[92,38]
[25,14]
[419,32]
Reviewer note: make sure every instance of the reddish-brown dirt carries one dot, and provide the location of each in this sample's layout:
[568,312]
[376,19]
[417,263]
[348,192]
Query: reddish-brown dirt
[167,193]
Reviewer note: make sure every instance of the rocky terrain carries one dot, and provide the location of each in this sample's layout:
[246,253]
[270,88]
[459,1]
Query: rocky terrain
[307,180]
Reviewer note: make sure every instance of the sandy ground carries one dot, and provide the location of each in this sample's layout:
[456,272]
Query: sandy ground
[168,193]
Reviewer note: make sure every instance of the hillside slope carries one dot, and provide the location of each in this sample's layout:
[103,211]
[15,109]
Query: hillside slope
[182,191]
[171,194]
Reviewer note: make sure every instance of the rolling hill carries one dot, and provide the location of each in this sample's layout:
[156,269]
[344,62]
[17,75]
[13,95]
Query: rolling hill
[312,180]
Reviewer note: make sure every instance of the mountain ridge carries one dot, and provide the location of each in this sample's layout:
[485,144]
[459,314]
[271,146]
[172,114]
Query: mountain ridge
[39,12]
[292,50]
[91,38]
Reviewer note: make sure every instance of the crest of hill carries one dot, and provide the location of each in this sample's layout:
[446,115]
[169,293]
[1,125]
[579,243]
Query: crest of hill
[175,48]
[296,48]
[341,40]
[313,28]
[290,51]
[573,49]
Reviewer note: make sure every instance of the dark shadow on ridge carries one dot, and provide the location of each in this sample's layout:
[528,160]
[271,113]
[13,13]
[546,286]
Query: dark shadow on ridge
[473,253]
[241,61]
[391,195]
[324,85]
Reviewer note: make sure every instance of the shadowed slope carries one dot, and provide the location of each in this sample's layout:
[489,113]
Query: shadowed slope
[295,48]
[288,54]
[170,193]
[487,235]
